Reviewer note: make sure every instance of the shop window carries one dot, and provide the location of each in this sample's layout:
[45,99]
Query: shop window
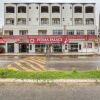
[44,9]
[55,9]
[89,9]
[78,9]
[21,9]
[10,9]
[30,47]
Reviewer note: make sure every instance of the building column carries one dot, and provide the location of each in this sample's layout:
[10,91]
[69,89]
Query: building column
[16,48]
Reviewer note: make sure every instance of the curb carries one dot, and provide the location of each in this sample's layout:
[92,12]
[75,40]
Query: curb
[50,81]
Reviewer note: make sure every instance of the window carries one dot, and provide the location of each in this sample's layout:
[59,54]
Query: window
[66,47]
[10,9]
[30,47]
[21,21]
[89,9]
[70,32]
[90,32]
[44,9]
[44,21]
[8,32]
[9,21]
[55,21]
[23,32]
[78,21]
[78,9]
[89,21]
[57,32]
[79,32]
[42,32]
[55,9]
[21,9]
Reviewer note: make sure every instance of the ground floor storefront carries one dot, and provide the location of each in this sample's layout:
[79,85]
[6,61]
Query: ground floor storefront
[78,46]
[51,44]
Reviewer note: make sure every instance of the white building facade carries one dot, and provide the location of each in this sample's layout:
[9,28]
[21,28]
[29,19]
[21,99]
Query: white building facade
[45,19]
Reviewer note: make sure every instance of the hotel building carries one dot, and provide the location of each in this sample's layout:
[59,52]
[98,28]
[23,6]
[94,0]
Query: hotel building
[75,21]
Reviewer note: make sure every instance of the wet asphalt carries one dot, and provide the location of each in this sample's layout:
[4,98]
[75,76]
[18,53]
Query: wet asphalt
[60,62]
[48,92]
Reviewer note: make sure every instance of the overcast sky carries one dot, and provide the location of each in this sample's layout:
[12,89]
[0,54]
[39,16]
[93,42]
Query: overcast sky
[64,1]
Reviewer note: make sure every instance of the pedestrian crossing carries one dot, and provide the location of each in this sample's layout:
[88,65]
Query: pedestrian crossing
[32,63]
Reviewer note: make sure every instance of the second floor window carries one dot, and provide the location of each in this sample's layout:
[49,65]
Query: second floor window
[55,9]
[23,32]
[21,21]
[78,21]
[44,9]
[44,21]
[89,21]
[78,9]
[21,9]
[10,9]
[9,21]
[55,21]
[89,9]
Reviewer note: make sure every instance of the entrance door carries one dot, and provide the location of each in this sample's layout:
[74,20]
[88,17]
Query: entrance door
[23,48]
[57,48]
[73,47]
[10,47]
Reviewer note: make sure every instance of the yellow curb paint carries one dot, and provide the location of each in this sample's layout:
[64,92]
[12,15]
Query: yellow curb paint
[12,68]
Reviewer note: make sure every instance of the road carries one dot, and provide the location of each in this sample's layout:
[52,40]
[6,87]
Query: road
[40,63]
[48,92]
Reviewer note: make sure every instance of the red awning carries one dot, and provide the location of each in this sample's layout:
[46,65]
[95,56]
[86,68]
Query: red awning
[2,41]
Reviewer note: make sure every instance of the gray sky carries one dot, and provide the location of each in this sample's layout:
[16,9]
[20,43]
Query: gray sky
[64,1]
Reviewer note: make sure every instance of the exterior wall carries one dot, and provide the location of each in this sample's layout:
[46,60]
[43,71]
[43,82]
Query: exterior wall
[33,17]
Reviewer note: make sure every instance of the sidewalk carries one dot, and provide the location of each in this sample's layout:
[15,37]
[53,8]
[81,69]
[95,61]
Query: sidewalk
[53,54]
[65,81]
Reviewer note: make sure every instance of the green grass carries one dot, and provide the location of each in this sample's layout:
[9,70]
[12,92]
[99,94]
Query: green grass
[8,73]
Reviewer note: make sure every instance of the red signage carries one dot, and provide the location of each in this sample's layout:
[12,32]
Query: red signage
[47,39]
[2,41]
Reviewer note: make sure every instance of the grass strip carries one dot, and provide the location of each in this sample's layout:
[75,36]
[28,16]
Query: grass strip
[8,73]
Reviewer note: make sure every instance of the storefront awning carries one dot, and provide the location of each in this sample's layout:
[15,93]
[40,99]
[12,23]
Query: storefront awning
[2,41]
[46,39]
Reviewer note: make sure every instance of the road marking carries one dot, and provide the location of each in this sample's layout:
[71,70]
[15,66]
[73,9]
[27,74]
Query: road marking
[40,65]
[30,65]
[24,68]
